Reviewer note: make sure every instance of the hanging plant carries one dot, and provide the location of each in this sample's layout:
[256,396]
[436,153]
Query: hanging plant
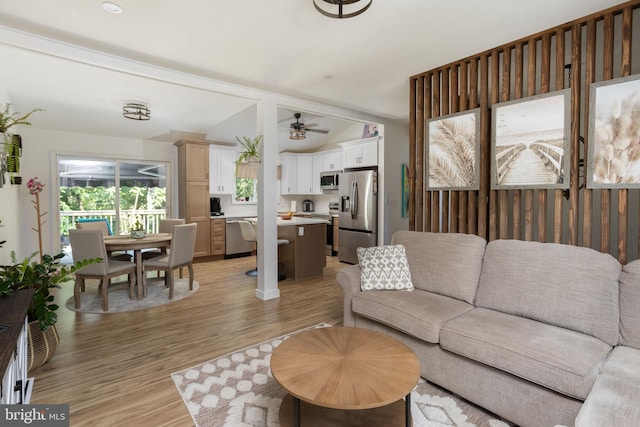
[8,120]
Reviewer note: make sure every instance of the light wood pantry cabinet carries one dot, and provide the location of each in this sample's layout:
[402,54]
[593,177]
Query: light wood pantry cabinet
[222,171]
[360,153]
[218,236]
[193,191]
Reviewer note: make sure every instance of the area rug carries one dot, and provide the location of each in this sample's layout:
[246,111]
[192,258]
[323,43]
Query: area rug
[119,301]
[237,390]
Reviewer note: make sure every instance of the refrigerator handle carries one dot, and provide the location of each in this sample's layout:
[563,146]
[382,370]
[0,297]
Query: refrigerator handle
[354,199]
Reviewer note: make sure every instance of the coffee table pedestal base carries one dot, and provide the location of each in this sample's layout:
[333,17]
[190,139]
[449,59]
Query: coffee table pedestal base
[317,416]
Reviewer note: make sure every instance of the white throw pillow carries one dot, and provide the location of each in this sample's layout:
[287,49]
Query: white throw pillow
[384,268]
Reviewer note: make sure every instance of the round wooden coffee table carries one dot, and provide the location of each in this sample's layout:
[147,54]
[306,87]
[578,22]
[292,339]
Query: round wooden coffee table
[346,376]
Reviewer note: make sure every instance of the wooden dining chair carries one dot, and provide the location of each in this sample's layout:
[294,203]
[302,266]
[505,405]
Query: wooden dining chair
[90,244]
[180,255]
[103,225]
[164,226]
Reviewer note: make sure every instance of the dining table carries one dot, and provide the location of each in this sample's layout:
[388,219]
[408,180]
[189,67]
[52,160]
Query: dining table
[127,243]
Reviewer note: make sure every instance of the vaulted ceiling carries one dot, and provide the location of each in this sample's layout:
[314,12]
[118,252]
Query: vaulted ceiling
[281,46]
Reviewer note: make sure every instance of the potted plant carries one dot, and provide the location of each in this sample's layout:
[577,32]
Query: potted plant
[250,152]
[13,143]
[41,276]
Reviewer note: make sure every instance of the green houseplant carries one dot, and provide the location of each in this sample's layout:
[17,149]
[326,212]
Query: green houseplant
[12,143]
[250,152]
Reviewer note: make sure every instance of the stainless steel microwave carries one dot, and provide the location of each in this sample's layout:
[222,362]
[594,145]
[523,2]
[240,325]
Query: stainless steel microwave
[329,181]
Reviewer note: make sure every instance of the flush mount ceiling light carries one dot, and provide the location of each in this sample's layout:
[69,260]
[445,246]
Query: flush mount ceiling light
[111,7]
[136,111]
[341,8]
[297,134]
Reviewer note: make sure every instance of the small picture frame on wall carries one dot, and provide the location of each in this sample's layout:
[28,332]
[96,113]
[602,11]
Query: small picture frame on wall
[370,131]
[530,142]
[614,134]
[452,151]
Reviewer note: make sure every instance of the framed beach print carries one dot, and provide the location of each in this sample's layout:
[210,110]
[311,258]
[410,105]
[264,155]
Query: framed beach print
[530,142]
[614,134]
[453,151]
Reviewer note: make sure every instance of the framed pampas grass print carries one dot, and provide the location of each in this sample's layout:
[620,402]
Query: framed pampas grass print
[614,134]
[453,151]
[530,142]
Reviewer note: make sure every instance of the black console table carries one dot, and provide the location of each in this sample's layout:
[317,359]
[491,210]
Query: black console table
[13,346]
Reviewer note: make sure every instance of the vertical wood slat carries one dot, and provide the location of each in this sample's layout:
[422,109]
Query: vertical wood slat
[589,77]
[623,194]
[483,193]
[455,102]
[444,110]
[531,90]
[463,204]
[499,197]
[559,84]
[605,195]
[576,49]
[425,222]
[545,81]
[435,112]
[415,106]
[519,81]
[505,95]
[476,222]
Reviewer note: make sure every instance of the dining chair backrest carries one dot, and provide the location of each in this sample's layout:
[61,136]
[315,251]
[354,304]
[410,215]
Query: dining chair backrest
[248,231]
[166,225]
[182,244]
[87,244]
[94,224]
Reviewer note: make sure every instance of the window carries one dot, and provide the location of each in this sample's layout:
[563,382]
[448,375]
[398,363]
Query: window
[121,191]
[246,191]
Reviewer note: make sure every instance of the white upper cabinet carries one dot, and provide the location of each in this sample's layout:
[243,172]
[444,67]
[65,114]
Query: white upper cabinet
[331,161]
[222,171]
[300,173]
[360,153]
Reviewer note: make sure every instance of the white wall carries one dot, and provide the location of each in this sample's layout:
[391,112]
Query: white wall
[40,148]
[396,152]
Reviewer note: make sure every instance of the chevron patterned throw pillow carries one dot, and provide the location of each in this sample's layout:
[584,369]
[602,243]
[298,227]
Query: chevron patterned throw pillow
[384,268]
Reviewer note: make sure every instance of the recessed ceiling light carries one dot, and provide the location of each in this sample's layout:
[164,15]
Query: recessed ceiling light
[111,7]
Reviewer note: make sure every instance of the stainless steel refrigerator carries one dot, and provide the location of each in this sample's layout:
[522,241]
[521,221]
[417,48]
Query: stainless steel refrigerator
[358,198]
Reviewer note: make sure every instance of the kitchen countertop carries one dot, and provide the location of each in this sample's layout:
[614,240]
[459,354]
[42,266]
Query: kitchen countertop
[294,221]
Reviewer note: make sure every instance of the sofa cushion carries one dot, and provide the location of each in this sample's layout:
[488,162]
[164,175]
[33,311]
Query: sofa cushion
[416,313]
[562,285]
[613,401]
[445,263]
[623,362]
[630,304]
[384,268]
[553,357]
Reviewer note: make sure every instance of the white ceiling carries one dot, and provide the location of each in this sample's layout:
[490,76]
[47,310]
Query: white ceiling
[283,46]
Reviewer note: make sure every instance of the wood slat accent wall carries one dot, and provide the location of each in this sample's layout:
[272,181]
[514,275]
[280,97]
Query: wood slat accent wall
[591,49]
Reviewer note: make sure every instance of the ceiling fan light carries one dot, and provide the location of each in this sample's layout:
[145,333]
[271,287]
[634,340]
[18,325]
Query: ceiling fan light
[136,111]
[297,134]
[341,8]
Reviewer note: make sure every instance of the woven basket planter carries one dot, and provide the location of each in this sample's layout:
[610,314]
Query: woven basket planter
[41,345]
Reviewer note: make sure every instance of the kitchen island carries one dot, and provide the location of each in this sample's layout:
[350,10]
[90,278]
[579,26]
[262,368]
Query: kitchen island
[305,255]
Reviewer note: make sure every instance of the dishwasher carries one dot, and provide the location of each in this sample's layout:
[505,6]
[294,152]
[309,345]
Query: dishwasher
[235,245]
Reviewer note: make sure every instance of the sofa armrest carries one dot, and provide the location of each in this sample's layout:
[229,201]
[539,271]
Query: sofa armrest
[349,280]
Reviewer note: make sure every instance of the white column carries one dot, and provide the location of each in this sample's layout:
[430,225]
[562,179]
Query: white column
[267,201]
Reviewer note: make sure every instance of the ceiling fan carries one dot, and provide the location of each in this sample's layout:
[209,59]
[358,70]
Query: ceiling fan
[298,130]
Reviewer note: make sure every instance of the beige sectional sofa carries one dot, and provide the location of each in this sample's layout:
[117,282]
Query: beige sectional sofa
[541,334]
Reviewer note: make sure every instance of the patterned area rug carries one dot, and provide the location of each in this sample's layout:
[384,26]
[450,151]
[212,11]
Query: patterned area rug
[119,301]
[237,390]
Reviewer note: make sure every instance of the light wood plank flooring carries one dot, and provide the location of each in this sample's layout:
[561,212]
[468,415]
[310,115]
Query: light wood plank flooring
[114,369]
